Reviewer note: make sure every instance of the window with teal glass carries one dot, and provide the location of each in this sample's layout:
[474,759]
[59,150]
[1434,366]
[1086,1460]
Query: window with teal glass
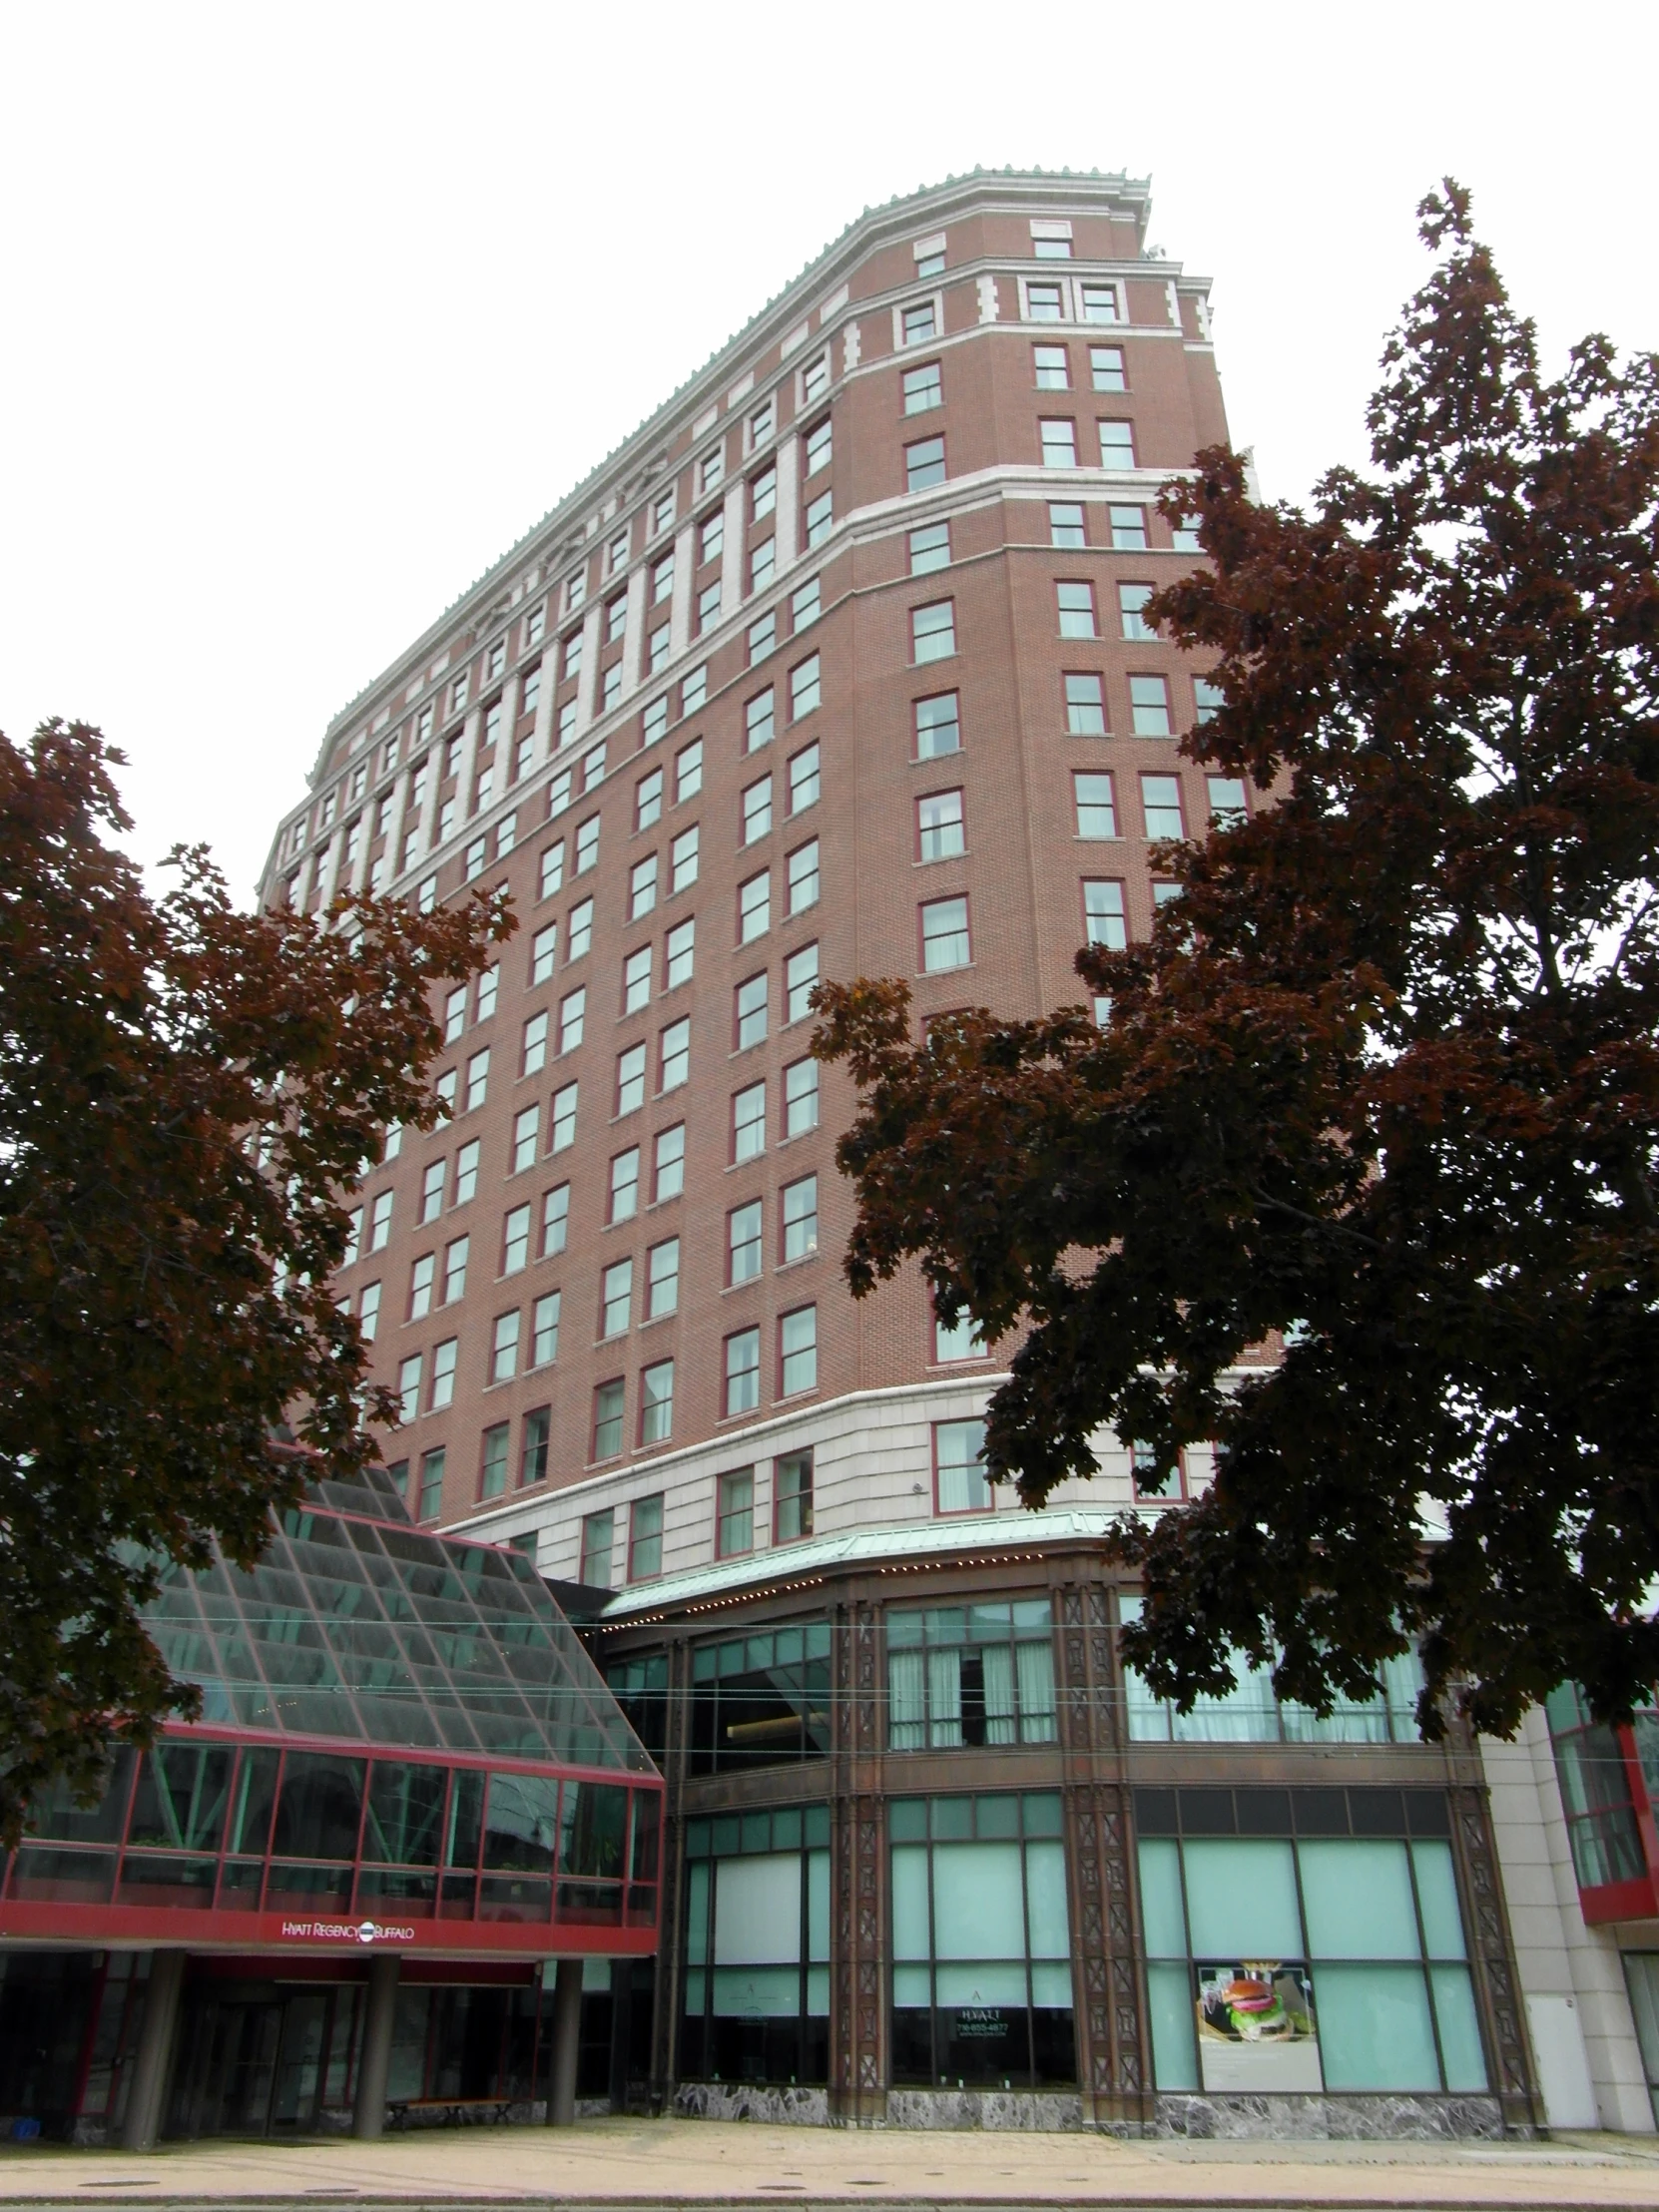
[761,1700]
[756,1979]
[970,1675]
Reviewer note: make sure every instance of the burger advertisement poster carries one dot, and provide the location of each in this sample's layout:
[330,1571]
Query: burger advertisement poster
[1256,2027]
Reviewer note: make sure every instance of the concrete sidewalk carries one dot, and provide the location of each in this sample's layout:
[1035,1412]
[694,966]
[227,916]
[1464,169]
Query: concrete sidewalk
[626,2162]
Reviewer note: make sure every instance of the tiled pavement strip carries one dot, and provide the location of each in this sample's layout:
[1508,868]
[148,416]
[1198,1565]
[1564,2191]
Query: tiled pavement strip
[607,2165]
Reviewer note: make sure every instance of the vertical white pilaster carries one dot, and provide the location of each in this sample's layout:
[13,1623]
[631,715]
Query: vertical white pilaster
[633,637]
[679,606]
[733,553]
[587,684]
[789,501]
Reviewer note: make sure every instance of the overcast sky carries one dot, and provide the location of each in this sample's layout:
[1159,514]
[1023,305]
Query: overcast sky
[310,312]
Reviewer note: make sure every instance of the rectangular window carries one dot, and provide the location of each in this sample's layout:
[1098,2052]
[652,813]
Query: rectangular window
[1096,814]
[762,494]
[580,931]
[940,830]
[1128,530]
[674,1056]
[933,631]
[1099,304]
[944,935]
[564,1118]
[1051,249]
[610,688]
[807,604]
[1132,600]
[662,579]
[815,379]
[488,983]
[1060,441]
[1085,707]
[648,799]
[1044,303]
[474,862]
[762,636]
[817,446]
[515,1241]
[466,1172]
[431,1483]
[555,1220]
[924,464]
[792,1497]
[567,734]
[616,1298]
[938,727]
[625,1184]
[629,1079]
[606,1422]
[1161,797]
[757,720]
[734,1513]
[409,1388]
[973,1677]
[504,1349]
[803,779]
[1065,525]
[959,1340]
[1149,705]
[711,537]
[662,1279]
[711,469]
[423,1278]
[800,1097]
[656,1403]
[799,1218]
[645,1536]
[929,549]
[708,607]
[379,1220]
[432,1189]
[454,1269]
[544,1339]
[525,1126]
[573,1008]
[443,1374]
[821,518]
[369,1311]
[1207,700]
[800,982]
[598,1534]
[616,617]
[641,886]
[1117,444]
[749,1123]
[1075,605]
[532,1460]
[803,875]
[1052,367]
[679,951]
[454,1014]
[804,688]
[797,1352]
[750,1001]
[669,1164]
[1183,536]
[682,856]
[1103,917]
[587,845]
[918,324]
[662,512]
[477,1080]
[959,1484]
[755,907]
[756,809]
[635,979]
[1226,801]
[923,389]
[743,1243]
[742,1371]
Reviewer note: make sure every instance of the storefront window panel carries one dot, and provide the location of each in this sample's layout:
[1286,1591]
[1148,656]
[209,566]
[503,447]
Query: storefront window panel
[756,1980]
[404,1826]
[640,1687]
[761,1700]
[182,1798]
[320,1809]
[970,1675]
[1249,1713]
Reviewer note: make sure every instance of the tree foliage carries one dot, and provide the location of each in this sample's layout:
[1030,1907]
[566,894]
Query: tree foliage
[186,1091]
[1383,1083]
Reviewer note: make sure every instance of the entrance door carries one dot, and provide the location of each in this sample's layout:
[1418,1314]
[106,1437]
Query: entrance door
[254,2058]
[300,2055]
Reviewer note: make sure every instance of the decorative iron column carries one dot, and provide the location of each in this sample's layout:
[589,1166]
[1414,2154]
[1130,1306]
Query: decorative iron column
[857,2001]
[665,2041]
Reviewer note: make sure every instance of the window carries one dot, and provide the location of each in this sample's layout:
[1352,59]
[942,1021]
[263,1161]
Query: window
[762,494]
[656,1403]
[711,469]
[755,907]
[607,1428]
[587,845]
[688,772]
[1161,797]
[648,799]
[1117,445]
[506,829]
[422,1275]
[504,1348]
[679,948]
[817,447]
[803,687]
[616,617]
[918,324]
[1129,536]
[454,1014]
[662,512]
[815,379]
[625,1184]
[924,464]
[454,1269]
[564,1118]
[803,873]
[1184,537]
[959,1484]
[629,1079]
[762,634]
[645,1532]
[799,1218]
[1150,1479]
[1096,814]
[477,1079]
[473,865]
[972,1676]
[743,1243]
[930,549]
[545,1330]
[576,590]
[1044,303]
[734,1513]
[682,855]
[1207,699]
[800,982]
[466,1172]
[799,1098]
[656,715]
[1132,601]
[923,389]
[821,518]
[616,1298]
[1100,304]
[797,1352]
[1075,603]
[669,1164]
[369,1311]
[611,686]
[1065,525]
[674,1056]
[409,1388]
[492,1470]
[635,979]
[580,938]
[944,935]
[597,1531]
[959,1340]
[792,1497]
[934,631]
[426,897]
[1149,705]
[431,1190]
[446,1089]
[780,1678]
[750,1011]
[940,831]
[515,1240]
[1052,364]
[641,886]
[938,727]
[748,1122]
[431,1483]
[807,604]
[708,607]
[567,734]
[532,1463]
[1085,707]
[619,551]
[742,1371]
[379,1216]
[555,1220]
[1059,443]
[758,719]
[662,1279]
[803,779]
[572,1018]
[1226,801]
[711,537]
[444,1374]
[662,579]
[756,809]
[1103,921]
[525,1127]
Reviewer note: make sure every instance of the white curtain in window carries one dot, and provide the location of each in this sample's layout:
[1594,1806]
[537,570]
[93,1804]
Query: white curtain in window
[1036,1692]
[944,1699]
[999,1662]
[906,1713]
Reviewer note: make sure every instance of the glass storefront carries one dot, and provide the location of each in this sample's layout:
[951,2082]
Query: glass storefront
[756,2003]
[761,1700]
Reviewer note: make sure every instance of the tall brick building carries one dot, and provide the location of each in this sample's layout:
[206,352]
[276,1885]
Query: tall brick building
[837,667]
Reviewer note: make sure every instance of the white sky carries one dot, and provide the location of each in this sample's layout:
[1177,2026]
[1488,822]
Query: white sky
[310,312]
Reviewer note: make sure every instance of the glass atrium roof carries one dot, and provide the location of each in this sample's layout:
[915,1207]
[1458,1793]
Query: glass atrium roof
[357,1626]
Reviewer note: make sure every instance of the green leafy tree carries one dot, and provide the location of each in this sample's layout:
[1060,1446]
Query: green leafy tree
[186,1091]
[1382,1089]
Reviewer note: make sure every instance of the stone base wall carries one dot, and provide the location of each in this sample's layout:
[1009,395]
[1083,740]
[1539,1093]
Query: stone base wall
[753,2100]
[1419,2119]
[1050,2110]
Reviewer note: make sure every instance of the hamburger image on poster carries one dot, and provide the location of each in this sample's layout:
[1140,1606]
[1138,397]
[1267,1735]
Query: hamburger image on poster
[1256,2026]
